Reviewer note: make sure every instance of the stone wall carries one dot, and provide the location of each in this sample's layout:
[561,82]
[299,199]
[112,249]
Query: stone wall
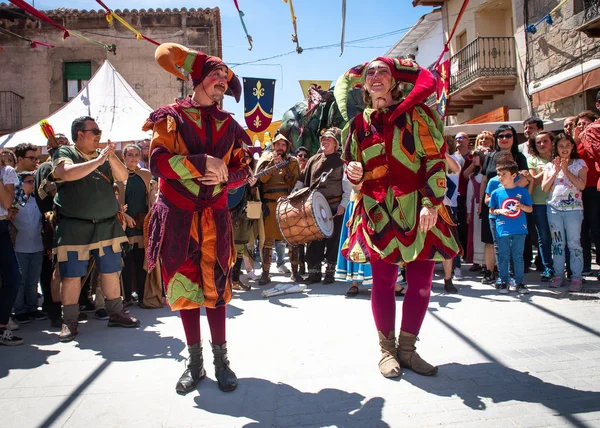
[37,74]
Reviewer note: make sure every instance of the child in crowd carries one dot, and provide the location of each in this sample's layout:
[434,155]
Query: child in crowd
[565,178]
[509,203]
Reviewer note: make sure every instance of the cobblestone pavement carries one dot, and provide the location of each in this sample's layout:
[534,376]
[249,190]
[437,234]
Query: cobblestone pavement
[311,360]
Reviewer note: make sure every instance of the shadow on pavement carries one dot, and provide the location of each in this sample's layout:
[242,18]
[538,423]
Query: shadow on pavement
[274,404]
[25,357]
[473,383]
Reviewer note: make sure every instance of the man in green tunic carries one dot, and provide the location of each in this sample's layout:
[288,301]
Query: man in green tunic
[88,225]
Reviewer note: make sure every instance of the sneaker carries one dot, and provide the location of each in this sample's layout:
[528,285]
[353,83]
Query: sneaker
[88,307]
[123,320]
[576,285]
[23,318]
[498,283]
[101,314]
[557,282]
[503,289]
[283,269]
[127,303]
[68,332]
[7,338]
[12,325]
[38,316]
[522,289]
[488,278]
[547,275]
[587,272]
[458,274]
[82,317]
[512,285]
[449,287]
[475,267]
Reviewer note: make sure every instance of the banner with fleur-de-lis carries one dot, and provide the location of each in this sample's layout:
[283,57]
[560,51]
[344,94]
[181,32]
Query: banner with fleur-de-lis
[259,95]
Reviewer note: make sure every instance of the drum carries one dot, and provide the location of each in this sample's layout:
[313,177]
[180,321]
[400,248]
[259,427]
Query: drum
[304,216]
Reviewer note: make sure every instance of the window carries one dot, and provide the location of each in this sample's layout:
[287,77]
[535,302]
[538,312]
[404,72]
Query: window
[76,76]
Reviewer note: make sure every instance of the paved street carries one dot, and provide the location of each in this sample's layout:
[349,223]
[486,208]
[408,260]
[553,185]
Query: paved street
[311,360]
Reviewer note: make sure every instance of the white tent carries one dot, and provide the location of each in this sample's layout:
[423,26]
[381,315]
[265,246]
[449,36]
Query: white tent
[108,98]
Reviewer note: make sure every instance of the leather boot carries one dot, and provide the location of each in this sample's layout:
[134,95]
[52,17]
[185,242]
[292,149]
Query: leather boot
[236,283]
[302,269]
[226,378]
[409,358]
[314,276]
[329,274]
[295,275]
[388,365]
[267,254]
[193,372]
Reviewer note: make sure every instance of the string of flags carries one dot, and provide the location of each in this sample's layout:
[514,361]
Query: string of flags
[248,36]
[548,18]
[294,19]
[32,43]
[110,15]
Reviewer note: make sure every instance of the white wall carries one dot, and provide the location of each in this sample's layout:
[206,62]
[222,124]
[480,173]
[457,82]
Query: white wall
[430,46]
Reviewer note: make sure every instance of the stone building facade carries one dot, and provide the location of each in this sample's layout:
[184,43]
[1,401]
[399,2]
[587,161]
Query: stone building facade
[36,78]
[562,61]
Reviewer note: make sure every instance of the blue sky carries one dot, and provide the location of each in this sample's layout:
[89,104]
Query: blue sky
[269,24]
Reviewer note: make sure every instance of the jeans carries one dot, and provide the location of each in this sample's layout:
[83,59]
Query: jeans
[511,247]
[9,273]
[495,239]
[565,228]
[590,228]
[540,215]
[280,251]
[31,268]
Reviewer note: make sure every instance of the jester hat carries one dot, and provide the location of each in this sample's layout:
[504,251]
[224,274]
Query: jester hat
[197,64]
[419,83]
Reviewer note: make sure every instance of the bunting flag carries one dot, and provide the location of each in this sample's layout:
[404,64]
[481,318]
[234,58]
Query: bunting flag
[532,28]
[315,84]
[295,35]
[32,43]
[442,80]
[110,15]
[248,36]
[259,95]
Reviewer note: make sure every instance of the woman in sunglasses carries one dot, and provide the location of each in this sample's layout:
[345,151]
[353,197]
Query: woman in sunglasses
[505,142]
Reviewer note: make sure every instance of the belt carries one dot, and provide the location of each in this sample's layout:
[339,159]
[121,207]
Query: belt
[95,221]
[3,217]
[334,199]
[278,190]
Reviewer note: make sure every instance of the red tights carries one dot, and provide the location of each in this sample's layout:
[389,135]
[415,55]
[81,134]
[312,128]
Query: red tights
[419,275]
[216,322]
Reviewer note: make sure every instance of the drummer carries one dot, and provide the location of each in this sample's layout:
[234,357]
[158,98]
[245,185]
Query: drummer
[336,188]
[272,186]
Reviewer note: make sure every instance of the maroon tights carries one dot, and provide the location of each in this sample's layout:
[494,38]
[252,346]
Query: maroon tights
[191,324]
[419,275]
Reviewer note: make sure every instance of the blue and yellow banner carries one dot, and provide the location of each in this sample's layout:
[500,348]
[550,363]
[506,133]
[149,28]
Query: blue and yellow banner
[442,78]
[259,95]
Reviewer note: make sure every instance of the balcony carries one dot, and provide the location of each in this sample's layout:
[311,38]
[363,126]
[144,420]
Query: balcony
[10,112]
[591,18]
[484,68]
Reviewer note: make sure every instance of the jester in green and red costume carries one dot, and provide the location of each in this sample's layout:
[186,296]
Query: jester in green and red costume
[395,152]
[198,153]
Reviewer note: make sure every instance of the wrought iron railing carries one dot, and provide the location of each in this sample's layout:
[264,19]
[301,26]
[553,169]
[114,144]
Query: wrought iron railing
[484,56]
[591,10]
[10,111]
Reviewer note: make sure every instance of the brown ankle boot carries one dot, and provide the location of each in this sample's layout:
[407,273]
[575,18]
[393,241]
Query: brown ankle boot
[236,283]
[408,357]
[388,365]
[295,276]
[267,254]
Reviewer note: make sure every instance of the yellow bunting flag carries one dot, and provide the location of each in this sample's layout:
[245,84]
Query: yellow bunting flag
[316,84]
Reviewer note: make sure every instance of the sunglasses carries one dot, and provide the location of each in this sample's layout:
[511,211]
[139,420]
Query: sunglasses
[302,155]
[505,136]
[94,131]
[460,138]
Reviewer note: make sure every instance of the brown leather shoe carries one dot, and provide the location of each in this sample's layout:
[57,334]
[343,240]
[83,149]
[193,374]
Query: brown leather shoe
[408,357]
[68,332]
[239,286]
[123,320]
[264,278]
[388,365]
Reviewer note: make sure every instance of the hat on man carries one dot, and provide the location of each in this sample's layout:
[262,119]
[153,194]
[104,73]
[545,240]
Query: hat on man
[197,64]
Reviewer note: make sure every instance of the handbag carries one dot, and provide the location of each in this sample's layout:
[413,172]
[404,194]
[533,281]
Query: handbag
[253,210]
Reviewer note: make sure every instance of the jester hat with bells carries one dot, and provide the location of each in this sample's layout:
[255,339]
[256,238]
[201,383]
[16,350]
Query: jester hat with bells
[197,64]
[418,83]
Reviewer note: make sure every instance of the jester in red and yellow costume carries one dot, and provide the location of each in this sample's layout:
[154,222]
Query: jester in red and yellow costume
[197,152]
[395,152]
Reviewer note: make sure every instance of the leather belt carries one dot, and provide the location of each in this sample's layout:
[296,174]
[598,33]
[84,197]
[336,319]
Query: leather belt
[334,199]
[3,217]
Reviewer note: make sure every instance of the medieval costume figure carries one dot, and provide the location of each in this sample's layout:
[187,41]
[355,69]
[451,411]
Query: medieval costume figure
[274,185]
[336,189]
[395,149]
[197,152]
[87,223]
